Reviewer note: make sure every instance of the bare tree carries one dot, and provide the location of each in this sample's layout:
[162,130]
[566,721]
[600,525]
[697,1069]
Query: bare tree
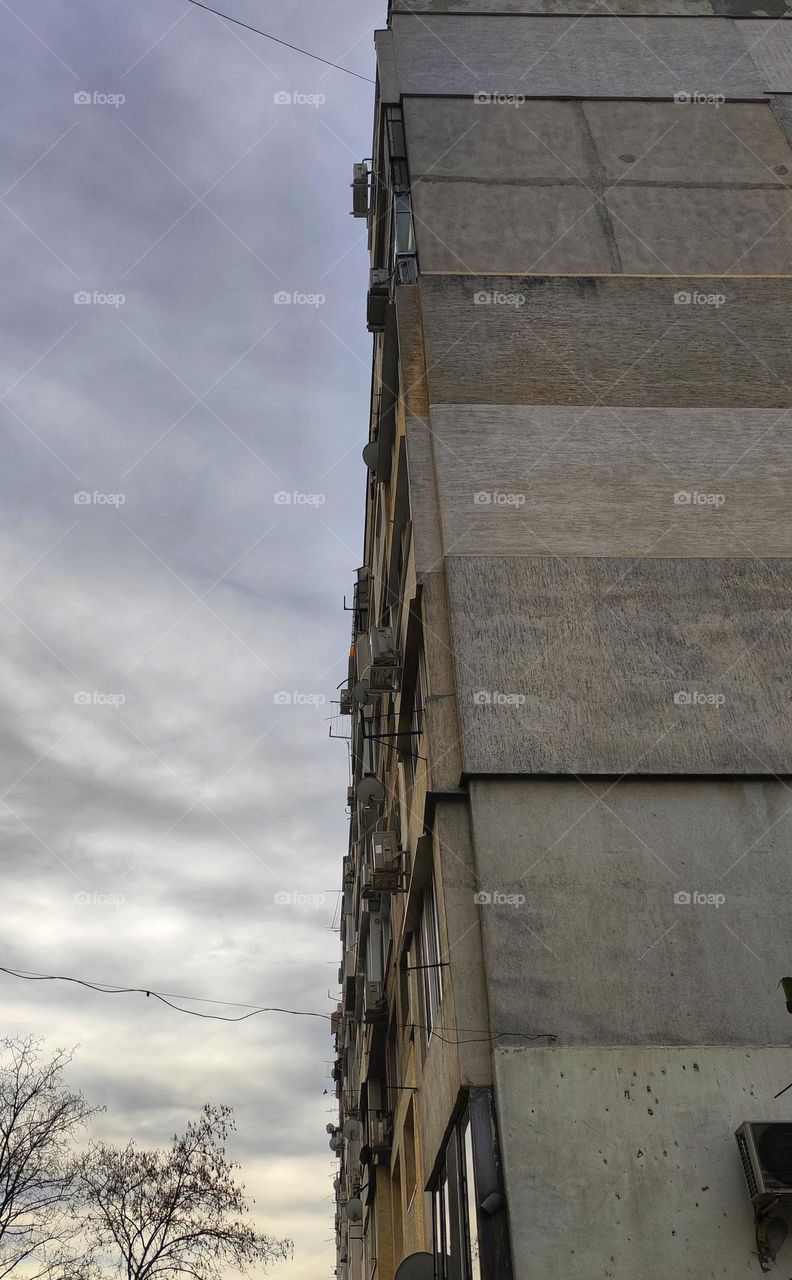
[174,1212]
[40,1119]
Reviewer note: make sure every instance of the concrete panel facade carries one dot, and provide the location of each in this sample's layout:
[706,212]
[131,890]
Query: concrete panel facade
[602,481]
[639,8]
[634,8]
[581,665]
[623,1162]
[573,341]
[600,951]
[599,186]
[601,57]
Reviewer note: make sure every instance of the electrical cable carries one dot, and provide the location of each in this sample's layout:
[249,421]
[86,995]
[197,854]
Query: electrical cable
[108,989]
[277,40]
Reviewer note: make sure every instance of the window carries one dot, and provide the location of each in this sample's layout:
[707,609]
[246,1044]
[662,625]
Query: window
[396,1211]
[455,1216]
[416,717]
[470,1197]
[430,973]
[410,1178]
[403,232]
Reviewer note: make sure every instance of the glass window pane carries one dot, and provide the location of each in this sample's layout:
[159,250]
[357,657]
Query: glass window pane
[472,1206]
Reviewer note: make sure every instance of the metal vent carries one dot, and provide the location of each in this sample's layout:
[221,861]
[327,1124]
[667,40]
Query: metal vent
[742,1146]
[766,1154]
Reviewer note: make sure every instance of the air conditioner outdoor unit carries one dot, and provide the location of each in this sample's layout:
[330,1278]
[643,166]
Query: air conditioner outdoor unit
[362,587]
[377,680]
[378,300]
[383,648]
[379,1135]
[374,1009]
[766,1153]
[377,881]
[384,848]
[350,797]
[360,191]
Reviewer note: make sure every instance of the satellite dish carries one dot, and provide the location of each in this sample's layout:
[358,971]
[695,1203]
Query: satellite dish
[370,791]
[371,455]
[354,1209]
[353,1130]
[419,1266]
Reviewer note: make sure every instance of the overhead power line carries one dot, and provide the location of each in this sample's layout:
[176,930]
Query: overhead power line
[108,989]
[285,43]
[479,1035]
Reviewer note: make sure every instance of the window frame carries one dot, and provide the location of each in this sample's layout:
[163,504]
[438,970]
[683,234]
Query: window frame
[454,1208]
[430,972]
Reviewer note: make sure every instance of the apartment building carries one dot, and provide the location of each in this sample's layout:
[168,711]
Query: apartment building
[567,900]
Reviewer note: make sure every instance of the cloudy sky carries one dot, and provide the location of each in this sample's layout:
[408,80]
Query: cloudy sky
[156,797]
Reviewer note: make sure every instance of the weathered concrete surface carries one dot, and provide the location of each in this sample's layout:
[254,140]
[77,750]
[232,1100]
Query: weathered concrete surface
[599,186]
[558,340]
[622,1163]
[598,951]
[600,57]
[605,481]
[640,8]
[543,140]
[598,649]
[634,8]
[771,51]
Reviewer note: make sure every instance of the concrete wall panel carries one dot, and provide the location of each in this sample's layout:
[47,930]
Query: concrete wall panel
[623,1163]
[640,8]
[770,49]
[577,665]
[598,948]
[477,229]
[556,340]
[599,481]
[633,8]
[609,57]
[600,186]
